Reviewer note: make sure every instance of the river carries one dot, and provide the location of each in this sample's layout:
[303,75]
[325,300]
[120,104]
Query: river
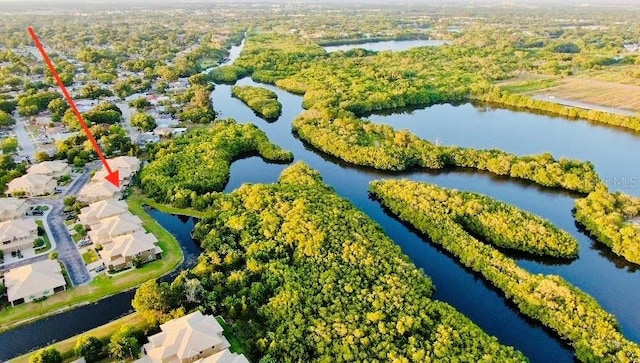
[610,280]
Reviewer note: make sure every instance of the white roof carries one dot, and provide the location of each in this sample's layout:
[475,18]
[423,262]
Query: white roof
[185,337]
[32,279]
[129,245]
[28,181]
[98,190]
[224,356]
[103,209]
[115,226]
[101,174]
[17,229]
[11,204]
[127,162]
[48,167]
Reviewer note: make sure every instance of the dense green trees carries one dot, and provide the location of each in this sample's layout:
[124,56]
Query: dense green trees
[261,100]
[143,121]
[57,107]
[46,355]
[31,103]
[103,113]
[91,348]
[308,278]
[380,146]
[607,216]
[9,170]
[9,145]
[227,74]
[139,103]
[550,299]
[6,120]
[187,169]
[94,91]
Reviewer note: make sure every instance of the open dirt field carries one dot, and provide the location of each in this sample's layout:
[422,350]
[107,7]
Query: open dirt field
[616,95]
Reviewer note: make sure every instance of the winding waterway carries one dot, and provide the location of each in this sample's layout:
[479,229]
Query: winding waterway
[610,280]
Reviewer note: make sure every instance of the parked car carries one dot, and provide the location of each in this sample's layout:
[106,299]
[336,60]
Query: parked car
[69,217]
[84,242]
[100,268]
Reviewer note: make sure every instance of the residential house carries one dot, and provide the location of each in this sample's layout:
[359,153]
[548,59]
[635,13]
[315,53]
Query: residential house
[34,281]
[127,167]
[97,191]
[12,208]
[185,340]
[112,227]
[17,234]
[123,250]
[31,185]
[55,169]
[91,215]
[224,356]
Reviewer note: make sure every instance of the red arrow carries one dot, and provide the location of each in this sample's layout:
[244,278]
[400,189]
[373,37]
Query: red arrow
[112,176]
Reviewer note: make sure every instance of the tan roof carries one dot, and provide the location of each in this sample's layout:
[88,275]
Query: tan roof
[185,337]
[115,226]
[129,245]
[32,279]
[98,190]
[48,167]
[102,173]
[11,204]
[128,162]
[102,209]
[29,181]
[224,356]
[17,229]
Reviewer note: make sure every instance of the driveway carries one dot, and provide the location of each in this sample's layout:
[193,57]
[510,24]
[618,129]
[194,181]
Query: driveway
[24,139]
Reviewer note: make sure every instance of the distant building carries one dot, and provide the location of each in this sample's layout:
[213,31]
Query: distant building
[17,234]
[12,208]
[55,169]
[122,251]
[31,185]
[191,338]
[95,212]
[34,281]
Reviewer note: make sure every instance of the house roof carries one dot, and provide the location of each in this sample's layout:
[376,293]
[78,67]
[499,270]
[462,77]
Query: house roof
[103,209]
[17,229]
[115,226]
[130,163]
[129,245]
[99,189]
[48,167]
[11,204]
[99,176]
[224,356]
[29,181]
[32,279]
[186,337]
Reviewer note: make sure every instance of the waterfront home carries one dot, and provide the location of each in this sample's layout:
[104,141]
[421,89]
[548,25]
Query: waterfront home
[122,251]
[34,281]
[97,191]
[112,227]
[91,215]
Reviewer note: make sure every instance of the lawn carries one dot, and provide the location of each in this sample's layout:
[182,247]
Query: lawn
[90,256]
[105,286]
[139,199]
[236,345]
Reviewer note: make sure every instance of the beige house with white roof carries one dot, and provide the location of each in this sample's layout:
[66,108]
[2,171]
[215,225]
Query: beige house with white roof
[12,208]
[127,167]
[17,234]
[121,252]
[112,227]
[34,281]
[31,185]
[185,340]
[91,215]
[97,191]
[54,169]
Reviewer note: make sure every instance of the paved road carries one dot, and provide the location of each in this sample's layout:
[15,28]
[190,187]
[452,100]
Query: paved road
[134,134]
[24,139]
[69,254]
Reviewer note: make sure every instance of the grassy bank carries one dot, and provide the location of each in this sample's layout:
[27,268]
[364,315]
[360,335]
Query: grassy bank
[66,347]
[102,286]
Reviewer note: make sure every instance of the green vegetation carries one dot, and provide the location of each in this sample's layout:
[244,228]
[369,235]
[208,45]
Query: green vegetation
[94,91]
[44,237]
[380,146]
[525,101]
[47,355]
[304,276]
[528,86]
[6,120]
[607,217]
[549,299]
[261,100]
[9,169]
[102,286]
[31,103]
[227,74]
[90,256]
[187,171]
[143,121]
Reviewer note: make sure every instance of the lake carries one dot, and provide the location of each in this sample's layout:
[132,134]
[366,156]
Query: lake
[609,279]
[392,45]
